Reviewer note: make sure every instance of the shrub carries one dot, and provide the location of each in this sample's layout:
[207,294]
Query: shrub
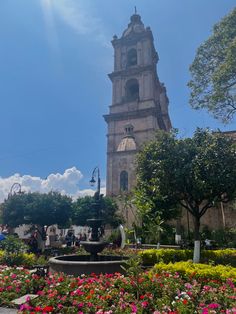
[153,256]
[13,252]
[225,257]
[150,257]
[224,237]
[13,244]
[17,259]
[41,260]
[190,270]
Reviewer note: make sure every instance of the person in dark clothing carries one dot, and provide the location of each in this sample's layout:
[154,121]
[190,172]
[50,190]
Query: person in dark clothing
[33,243]
[84,237]
[70,239]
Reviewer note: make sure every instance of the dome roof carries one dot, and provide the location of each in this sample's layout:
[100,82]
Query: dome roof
[135,25]
[126,144]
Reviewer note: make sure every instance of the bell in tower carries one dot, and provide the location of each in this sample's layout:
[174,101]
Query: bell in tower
[139,104]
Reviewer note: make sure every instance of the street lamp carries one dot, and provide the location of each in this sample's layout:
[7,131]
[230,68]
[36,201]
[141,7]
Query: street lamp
[95,245]
[95,223]
[92,182]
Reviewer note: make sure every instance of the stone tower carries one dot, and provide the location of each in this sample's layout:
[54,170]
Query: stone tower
[139,104]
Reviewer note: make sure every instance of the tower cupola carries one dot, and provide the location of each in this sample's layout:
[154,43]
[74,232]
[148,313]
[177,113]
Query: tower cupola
[135,26]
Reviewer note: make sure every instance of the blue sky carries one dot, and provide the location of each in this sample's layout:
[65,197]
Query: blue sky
[54,59]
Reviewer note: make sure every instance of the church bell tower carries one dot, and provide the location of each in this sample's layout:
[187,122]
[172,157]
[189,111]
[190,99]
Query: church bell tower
[139,104]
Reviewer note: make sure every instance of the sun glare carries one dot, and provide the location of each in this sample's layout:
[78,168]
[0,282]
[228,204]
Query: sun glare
[51,32]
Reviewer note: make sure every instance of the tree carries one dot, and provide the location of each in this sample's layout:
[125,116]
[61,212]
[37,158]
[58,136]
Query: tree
[83,209]
[149,203]
[126,202]
[154,228]
[37,209]
[213,83]
[196,173]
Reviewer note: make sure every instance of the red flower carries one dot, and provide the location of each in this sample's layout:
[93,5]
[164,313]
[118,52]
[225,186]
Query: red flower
[38,309]
[48,309]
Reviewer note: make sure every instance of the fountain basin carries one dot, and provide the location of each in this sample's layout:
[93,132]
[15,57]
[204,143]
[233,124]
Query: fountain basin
[93,247]
[81,264]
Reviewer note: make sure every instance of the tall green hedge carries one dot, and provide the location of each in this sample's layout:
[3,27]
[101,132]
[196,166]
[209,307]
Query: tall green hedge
[153,256]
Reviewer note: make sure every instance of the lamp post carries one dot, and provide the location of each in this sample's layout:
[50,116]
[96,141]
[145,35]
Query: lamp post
[97,195]
[93,181]
[95,223]
[95,245]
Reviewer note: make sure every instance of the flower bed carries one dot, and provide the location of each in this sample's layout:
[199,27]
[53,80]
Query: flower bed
[160,292]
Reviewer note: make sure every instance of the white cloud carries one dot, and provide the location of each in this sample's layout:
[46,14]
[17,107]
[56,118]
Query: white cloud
[66,183]
[78,15]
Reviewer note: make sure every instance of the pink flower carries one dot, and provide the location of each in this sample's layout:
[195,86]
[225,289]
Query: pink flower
[79,292]
[188,285]
[213,306]
[25,306]
[144,304]
[40,293]
[134,308]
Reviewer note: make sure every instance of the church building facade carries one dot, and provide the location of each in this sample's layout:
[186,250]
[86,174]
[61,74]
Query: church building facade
[139,104]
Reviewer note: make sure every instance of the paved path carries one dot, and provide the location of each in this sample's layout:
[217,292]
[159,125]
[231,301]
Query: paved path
[4,310]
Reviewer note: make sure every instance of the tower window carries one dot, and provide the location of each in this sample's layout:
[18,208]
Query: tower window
[129,129]
[132,90]
[132,57]
[124,181]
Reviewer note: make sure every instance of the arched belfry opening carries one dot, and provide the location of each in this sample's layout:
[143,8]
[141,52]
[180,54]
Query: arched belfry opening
[132,57]
[132,90]
[123,181]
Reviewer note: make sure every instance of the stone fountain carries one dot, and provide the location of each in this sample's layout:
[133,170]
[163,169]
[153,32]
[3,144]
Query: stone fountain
[93,263]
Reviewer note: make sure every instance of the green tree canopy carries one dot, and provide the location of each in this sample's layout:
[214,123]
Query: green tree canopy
[83,209]
[36,208]
[195,173]
[213,83]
